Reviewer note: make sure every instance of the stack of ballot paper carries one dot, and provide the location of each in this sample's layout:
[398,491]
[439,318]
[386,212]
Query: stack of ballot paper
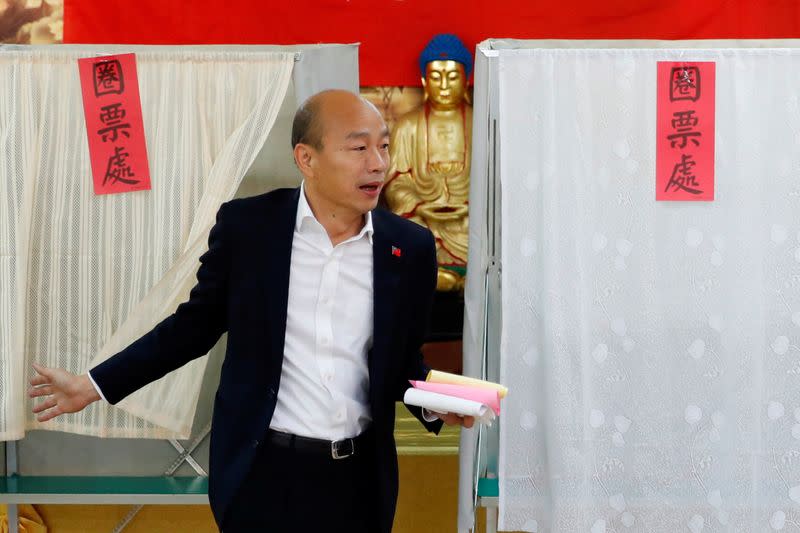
[450,393]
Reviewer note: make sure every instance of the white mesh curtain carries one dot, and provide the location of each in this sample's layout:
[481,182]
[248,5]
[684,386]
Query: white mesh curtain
[81,276]
[652,349]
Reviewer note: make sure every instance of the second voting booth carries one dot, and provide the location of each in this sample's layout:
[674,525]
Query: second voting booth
[635,282]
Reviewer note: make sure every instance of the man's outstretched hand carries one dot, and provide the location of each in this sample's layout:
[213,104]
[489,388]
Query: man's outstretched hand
[62,392]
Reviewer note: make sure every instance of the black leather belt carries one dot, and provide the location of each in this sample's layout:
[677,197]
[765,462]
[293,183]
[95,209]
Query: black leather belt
[339,449]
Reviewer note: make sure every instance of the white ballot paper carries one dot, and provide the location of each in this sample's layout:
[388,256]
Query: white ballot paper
[441,403]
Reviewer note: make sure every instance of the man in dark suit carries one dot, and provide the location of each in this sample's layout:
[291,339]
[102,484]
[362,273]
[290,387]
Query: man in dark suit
[326,302]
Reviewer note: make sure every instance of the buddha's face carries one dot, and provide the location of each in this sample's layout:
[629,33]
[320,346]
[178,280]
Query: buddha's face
[445,83]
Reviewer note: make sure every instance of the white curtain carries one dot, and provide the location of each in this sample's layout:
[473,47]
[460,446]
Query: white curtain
[81,276]
[652,350]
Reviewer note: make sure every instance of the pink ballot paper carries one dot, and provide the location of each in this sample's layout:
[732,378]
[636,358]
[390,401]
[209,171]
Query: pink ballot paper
[488,397]
[437,376]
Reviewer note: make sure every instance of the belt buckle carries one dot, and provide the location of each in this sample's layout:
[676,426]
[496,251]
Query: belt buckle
[338,453]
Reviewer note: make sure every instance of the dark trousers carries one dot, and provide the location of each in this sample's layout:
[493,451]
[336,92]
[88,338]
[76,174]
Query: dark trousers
[294,491]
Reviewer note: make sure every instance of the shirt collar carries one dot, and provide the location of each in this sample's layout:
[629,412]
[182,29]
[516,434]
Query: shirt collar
[305,213]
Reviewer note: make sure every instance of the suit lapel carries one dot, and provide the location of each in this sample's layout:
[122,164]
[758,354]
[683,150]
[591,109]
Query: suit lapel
[387,268]
[280,233]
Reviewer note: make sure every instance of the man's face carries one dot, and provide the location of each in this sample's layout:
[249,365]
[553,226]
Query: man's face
[349,171]
[445,83]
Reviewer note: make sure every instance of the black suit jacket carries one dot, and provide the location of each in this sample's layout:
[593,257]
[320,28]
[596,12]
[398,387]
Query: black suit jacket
[242,288]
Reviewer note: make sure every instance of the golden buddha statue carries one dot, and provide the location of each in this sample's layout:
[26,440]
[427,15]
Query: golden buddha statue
[428,179]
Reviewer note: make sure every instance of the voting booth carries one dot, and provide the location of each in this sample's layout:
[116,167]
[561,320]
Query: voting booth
[635,282]
[85,273]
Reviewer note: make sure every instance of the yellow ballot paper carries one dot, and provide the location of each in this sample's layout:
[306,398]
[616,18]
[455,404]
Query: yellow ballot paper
[436,376]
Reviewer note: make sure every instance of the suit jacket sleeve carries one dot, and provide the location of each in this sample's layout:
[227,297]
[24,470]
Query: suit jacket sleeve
[425,281]
[190,332]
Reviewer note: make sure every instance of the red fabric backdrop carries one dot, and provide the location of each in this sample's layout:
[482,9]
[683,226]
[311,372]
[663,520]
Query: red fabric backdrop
[393,32]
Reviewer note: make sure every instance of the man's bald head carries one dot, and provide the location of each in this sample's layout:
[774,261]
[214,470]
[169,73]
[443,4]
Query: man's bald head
[309,120]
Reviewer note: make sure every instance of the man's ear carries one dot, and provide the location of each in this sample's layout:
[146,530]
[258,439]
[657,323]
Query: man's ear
[304,156]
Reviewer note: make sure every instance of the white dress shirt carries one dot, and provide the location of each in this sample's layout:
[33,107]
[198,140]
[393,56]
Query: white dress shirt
[324,388]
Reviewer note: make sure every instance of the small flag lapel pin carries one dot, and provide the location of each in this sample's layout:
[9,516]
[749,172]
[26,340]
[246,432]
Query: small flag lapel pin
[396,251]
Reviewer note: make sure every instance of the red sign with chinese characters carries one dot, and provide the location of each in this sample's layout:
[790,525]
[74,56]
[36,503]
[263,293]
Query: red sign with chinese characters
[685,120]
[114,123]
